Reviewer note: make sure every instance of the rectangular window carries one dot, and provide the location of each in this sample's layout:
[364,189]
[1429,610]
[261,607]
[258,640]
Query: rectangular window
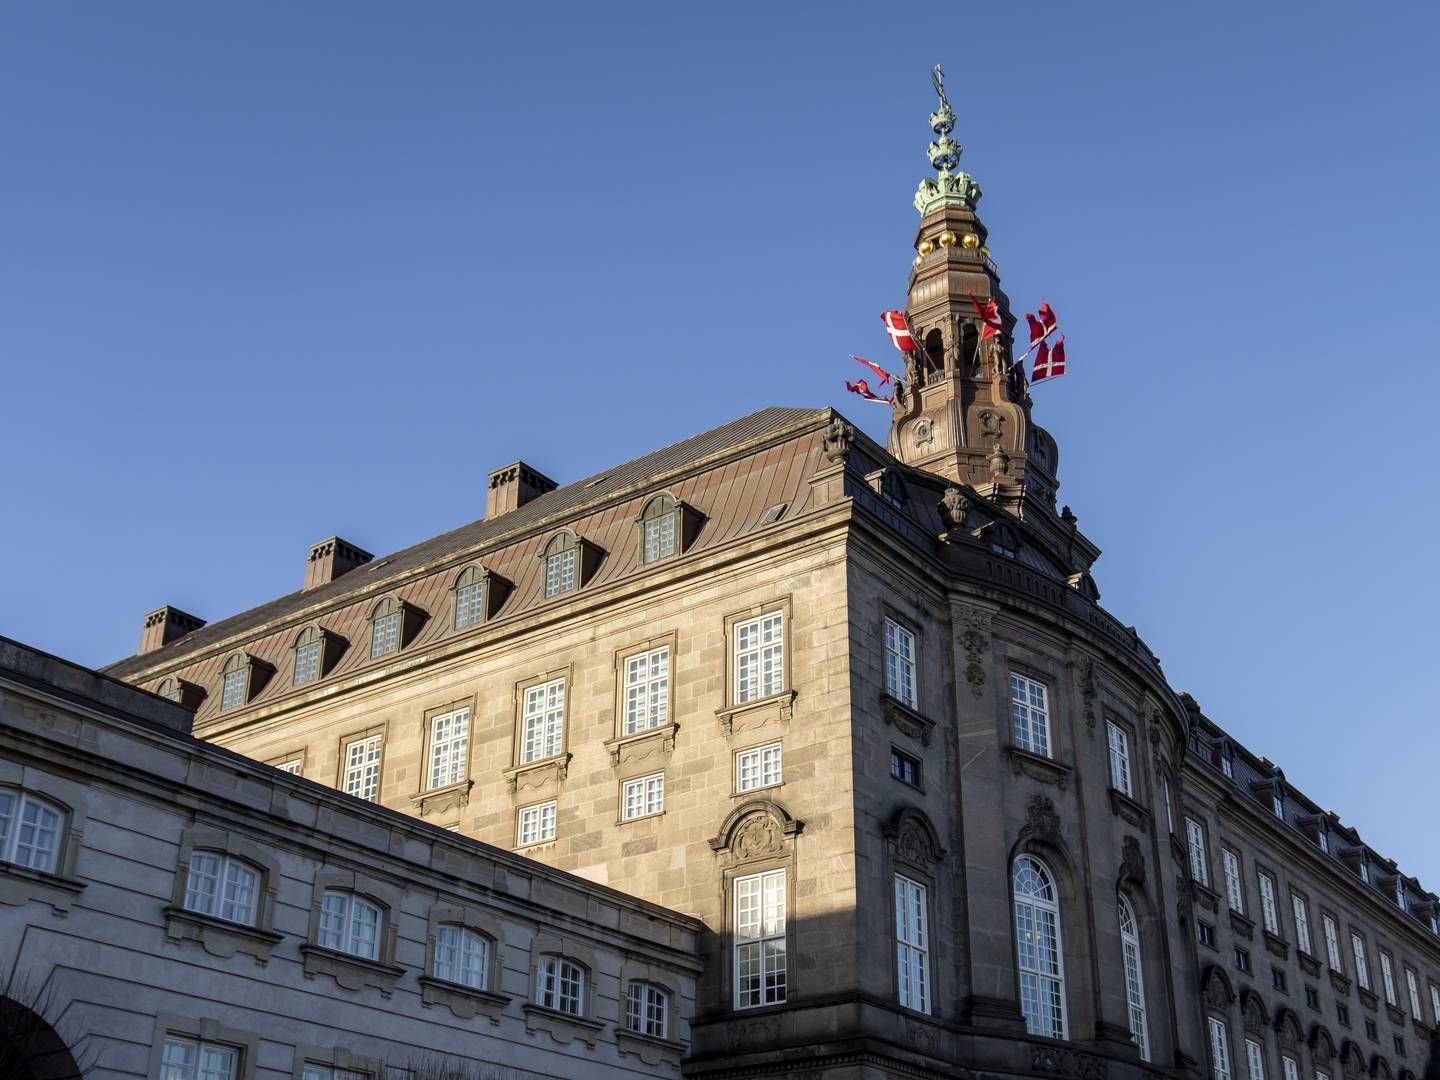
[1119,746]
[899,663]
[758,767]
[1277,979]
[647,690]
[1195,845]
[1387,978]
[1268,911]
[449,748]
[560,572]
[1029,715]
[760,939]
[759,657]
[292,766]
[1302,924]
[912,945]
[1219,1049]
[543,725]
[1399,1045]
[1169,807]
[190,1059]
[1372,1032]
[1434,1004]
[1413,985]
[1242,959]
[470,605]
[1290,1067]
[1205,934]
[362,768]
[232,694]
[1254,1060]
[659,537]
[1332,944]
[1277,804]
[1342,1013]
[385,635]
[642,797]
[1362,969]
[1233,889]
[1312,998]
[904,768]
[307,662]
[535,824]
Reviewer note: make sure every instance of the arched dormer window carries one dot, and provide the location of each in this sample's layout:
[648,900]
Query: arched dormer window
[169,688]
[385,628]
[1038,947]
[31,830]
[310,659]
[241,679]
[570,561]
[225,887]
[185,694]
[1134,978]
[469,598]
[667,527]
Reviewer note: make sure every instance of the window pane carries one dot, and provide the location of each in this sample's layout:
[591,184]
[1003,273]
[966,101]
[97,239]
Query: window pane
[1029,715]
[385,635]
[449,748]
[469,605]
[362,768]
[232,693]
[759,658]
[307,662]
[899,663]
[647,690]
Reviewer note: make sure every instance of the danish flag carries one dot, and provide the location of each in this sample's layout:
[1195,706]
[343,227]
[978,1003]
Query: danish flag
[899,330]
[885,376]
[990,316]
[1049,363]
[861,387]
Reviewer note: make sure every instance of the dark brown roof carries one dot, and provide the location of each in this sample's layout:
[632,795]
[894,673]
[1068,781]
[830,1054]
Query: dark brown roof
[559,503]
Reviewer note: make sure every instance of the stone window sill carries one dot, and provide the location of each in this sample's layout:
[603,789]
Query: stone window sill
[1368,1000]
[1340,982]
[19,885]
[648,1048]
[642,744]
[1124,806]
[1309,965]
[536,774]
[351,972]
[639,818]
[906,719]
[754,714]
[1046,770]
[562,1027]
[438,800]
[463,1001]
[750,793]
[1205,896]
[220,937]
[1242,926]
[1396,1014]
[1276,945]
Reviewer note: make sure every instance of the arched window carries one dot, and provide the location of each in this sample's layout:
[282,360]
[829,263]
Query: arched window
[660,528]
[560,985]
[561,558]
[1134,978]
[462,956]
[349,924]
[169,688]
[647,1009]
[218,885]
[235,683]
[30,830]
[933,359]
[469,598]
[385,628]
[1037,943]
[309,649]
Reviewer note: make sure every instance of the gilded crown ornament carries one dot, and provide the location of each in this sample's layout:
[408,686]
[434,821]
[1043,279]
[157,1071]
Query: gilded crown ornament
[950,187]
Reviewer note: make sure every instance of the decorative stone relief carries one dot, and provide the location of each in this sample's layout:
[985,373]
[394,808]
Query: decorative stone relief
[1132,861]
[975,640]
[757,837]
[754,830]
[1066,1062]
[1289,1036]
[906,720]
[1182,902]
[1041,820]
[923,432]
[1217,992]
[1087,692]
[954,507]
[835,444]
[1254,1015]
[912,838]
[1046,770]
[920,1036]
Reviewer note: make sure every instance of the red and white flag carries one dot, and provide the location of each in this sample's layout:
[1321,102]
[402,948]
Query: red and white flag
[861,387]
[1047,317]
[1049,363]
[899,330]
[885,376]
[990,316]
[1043,326]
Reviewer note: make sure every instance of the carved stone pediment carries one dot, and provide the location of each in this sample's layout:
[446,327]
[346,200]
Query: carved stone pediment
[906,720]
[1041,820]
[1128,809]
[537,774]
[912,838]
[1046,770]
[658,742]
[219,937]
[777,708]
[757,829]
[438,800]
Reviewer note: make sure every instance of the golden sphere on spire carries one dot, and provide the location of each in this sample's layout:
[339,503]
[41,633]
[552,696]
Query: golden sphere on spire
[915,262]
[925,247]
[970,241]
[947,239]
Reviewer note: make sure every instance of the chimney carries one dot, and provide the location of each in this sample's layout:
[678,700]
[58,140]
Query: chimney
[331,558]
[164,625]
[512,487]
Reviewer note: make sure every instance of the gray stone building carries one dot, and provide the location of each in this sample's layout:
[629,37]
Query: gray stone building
[856,711]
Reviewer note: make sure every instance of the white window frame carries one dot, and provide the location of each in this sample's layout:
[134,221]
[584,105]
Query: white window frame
[350,910]
[307,662]
[647,1006]
[195,1067]
[560,571]
[912,944]
[1290,1067]
[32,830]
[900,663]
[1036,917]
[1195,848]
[1255,1059]
[642,797]
[1117,741]
[292,766]
[1434,1004]
[1301,909]
[1332,943]
[233,688]
[447,752]
[233,892]
[461,956]
[542,722]
[647,690]
[535,824]
[660,537]
[320,1071]
[767,764]
[1030,714]
[1234,889]
[1362,967]
[759,910]
[1387,978]
[1131,956]
[1269,912]
[470,605]
[758,657]
[1412,984]
[385,634]
[560,985]
[362,767]
[1219,1048]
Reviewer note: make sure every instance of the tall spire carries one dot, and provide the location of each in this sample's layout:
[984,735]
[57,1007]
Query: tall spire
[950,187]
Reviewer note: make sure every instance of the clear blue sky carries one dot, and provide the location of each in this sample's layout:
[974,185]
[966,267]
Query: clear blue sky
[271,272]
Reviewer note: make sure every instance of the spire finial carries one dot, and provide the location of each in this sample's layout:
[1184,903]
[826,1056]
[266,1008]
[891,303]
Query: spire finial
[950,186]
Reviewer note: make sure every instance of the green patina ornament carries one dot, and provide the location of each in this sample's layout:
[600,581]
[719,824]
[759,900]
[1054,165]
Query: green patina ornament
[951,187]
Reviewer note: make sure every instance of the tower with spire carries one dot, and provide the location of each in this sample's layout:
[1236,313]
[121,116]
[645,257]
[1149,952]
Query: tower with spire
[965,412]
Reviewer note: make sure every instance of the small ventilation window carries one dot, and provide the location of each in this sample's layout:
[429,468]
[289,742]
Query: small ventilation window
[774,513]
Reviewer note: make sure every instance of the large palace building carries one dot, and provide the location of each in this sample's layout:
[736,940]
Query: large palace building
[818,757]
